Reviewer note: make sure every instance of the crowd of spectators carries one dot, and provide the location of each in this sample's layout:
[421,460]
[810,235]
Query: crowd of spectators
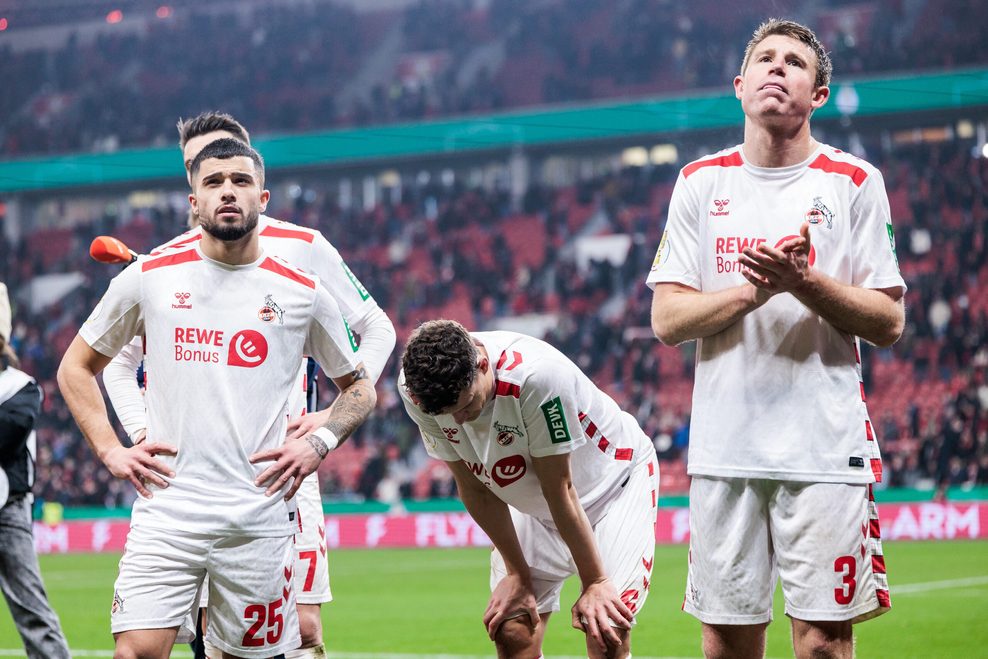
[472,254]
[300,66]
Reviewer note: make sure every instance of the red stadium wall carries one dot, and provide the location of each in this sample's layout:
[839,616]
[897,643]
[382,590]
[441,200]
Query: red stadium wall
[916,521]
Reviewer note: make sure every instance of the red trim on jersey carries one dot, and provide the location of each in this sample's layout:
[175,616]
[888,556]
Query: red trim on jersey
[278,232]
[517,360]
[876,529]
[883,598]
[170,246]
[507,389]
[857,353]
[878,564]
[730,160]
[503,358]
[653,499]
[868,432]
[861,386]
[603,444]
[651,468]
[278,269]
[876,469]
[624,453]
[856,174]
[171,259]
[591,430]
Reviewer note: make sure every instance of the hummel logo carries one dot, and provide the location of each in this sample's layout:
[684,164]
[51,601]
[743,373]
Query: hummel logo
[450,433]
[721,204]
[182,297]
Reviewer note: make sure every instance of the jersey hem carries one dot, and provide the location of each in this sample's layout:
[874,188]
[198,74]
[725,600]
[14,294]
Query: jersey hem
[727,619]
[776,475]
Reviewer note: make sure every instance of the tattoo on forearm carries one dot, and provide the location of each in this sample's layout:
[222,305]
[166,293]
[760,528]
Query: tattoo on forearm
[349,411]
[318,446]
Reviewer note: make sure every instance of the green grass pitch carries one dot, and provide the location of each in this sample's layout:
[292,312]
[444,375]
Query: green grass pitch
[429,602]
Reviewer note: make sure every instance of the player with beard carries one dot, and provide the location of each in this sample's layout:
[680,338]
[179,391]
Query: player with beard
[309,250]
[225,366]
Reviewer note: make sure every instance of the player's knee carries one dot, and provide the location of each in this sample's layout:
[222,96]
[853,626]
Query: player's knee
[310,625]
[516,639]
[824,640]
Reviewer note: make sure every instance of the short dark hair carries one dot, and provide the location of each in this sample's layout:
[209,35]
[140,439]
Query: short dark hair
[225,148]
[799,32]
[210,122]
[440,363]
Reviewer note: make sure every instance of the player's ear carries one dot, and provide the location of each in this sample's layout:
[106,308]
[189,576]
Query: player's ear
[265,196]
[483,364]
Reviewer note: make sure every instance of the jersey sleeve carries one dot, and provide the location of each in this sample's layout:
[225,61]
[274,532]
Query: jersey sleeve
[118,317]
[551,413]
[353,299]
[432,435]
[677,259]
[120,380]
[872,237]
[329,340]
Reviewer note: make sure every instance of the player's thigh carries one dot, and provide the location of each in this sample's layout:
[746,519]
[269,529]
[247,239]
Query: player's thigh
[731,574]
[626,536]
[159,576]
[829,551]
[547,556]
[252,597]
[311,567]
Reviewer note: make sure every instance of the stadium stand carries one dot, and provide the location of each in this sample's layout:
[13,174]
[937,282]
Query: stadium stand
[466,253]
[72,81]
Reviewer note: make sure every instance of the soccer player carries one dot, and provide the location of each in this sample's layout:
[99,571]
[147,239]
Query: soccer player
[225,325]
[778,255]
[559,478]
[309,250]
[20,575]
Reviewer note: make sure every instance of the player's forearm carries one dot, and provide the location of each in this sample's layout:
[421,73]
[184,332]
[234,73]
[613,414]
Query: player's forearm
[377,341]
[119,378]
[493,516]
[575,530]
[82,395]
[683,314]
[870,314]
[351,408]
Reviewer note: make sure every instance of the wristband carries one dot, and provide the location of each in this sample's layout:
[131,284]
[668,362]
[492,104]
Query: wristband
[327,437]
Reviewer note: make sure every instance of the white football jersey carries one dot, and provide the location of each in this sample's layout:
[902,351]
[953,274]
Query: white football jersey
[779,394]
[308,250]
[222,354]
[543,405]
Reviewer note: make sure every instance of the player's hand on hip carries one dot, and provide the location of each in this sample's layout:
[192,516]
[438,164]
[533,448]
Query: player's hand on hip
[295,459]
[511,596]
[138,465]
[778,269]
[598,610]
[305,424]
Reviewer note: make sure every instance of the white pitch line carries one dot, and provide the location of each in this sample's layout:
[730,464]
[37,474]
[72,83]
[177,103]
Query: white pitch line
[908,588]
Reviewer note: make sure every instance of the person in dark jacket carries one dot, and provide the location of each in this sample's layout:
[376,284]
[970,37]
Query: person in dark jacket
[20,576]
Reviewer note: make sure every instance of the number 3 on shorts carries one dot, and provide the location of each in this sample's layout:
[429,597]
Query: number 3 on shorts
[847,566]
[259,614]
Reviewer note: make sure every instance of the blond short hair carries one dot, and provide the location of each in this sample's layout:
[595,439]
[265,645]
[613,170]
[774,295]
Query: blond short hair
[799,32]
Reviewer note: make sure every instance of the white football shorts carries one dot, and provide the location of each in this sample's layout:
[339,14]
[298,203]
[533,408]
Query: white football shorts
[822,539]
[625,537]
[250,587]
[311,566]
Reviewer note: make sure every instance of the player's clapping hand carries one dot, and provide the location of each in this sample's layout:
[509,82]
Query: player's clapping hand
[511,596]
[298,457]
[598,610]
[781,268]
[138,465]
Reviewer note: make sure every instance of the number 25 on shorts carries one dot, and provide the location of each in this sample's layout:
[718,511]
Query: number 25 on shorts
[261,614]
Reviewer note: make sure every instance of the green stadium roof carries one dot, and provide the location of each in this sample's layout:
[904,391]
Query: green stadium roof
[541,127]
